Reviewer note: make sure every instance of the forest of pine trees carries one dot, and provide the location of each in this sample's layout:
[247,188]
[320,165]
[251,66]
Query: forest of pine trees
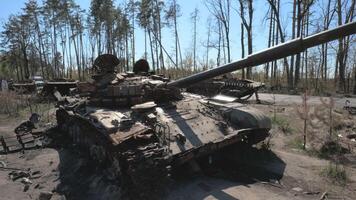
[59,39]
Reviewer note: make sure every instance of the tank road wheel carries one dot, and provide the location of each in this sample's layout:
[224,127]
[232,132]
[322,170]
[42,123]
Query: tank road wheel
[147,172]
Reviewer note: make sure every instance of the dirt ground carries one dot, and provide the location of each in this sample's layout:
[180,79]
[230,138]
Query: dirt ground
[285,172]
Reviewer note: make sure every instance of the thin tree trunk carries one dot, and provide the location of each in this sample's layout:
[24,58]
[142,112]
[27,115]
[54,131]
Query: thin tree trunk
[152,54]
[269,42]
[291,78]
[243,47]
[249,35]
[297,61]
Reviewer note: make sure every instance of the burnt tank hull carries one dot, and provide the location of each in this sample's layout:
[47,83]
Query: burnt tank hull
[158,138]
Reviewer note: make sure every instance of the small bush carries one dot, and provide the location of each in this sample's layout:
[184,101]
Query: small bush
[296,143]
[17,105]
[331,148]
[11,102]
[336,173]
[282,124]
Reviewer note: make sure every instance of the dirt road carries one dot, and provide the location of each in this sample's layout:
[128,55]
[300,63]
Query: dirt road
[284,99]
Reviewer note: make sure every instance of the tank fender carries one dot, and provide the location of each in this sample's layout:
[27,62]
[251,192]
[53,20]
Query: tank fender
[248,118]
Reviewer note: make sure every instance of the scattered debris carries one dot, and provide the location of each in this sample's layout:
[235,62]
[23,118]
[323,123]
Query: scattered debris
[14,175]
[35,172]
[275,183]
[349,108]
[352,137]
[25,137]
[26,187]
[311,193]
[297,189]
[26,181]
[29,125]
[11,168]
[3,164]
[324,196]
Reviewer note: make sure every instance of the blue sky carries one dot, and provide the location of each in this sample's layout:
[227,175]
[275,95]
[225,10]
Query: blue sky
[185,26]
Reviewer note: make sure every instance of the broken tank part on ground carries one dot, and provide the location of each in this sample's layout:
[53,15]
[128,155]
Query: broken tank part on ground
[141,126]
[242,89]
[63,86]
[24,87]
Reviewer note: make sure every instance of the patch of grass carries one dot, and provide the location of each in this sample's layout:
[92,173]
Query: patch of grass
[329,150]
[11,103]
[43,109]
[335,173]
[296,143]
[282,124]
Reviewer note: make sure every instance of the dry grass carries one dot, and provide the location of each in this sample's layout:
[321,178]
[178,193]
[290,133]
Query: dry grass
[22,105]
[11,102]
[336,173]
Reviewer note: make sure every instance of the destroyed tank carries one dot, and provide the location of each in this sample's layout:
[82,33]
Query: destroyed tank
[142,126]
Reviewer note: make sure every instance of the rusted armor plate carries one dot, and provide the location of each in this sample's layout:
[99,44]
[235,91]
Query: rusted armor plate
[125,134]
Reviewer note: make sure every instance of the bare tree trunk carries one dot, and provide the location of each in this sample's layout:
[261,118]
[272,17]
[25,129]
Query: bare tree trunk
[343,44]
[25,62]
[82,54]
[40,44]
[269,41]
[77,56]
[291,78]
[152,53]
[133,52]
[127,58]
[194,18]
[243,47]
[306,31]
[340,53]
[249,35]
[218,57]
[297,60]
[176,33]
[207,46]
[161,58]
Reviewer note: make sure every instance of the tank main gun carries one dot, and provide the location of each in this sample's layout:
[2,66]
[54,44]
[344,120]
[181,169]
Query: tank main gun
[277,52]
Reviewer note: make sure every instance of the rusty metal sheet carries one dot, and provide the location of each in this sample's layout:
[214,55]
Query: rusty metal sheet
[122,135]
[109,120]
[86,87]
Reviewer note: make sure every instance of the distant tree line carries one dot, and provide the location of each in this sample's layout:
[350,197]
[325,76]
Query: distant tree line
[59,39]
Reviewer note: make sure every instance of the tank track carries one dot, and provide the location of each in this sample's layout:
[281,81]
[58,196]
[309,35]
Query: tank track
[147,171]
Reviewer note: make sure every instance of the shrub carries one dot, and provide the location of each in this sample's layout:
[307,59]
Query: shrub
[297,143]
[282,124]
[336,173]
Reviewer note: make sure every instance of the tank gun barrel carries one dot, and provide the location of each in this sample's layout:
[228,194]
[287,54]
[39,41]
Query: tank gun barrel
[280,51]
